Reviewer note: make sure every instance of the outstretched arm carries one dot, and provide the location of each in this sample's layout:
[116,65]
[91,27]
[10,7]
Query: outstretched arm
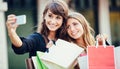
[11,27]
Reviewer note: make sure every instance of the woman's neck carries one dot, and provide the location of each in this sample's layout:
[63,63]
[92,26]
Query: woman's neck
[80,42]
[52,36]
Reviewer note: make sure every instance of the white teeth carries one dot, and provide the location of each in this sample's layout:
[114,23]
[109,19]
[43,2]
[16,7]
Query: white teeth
[52,26]
[73,33]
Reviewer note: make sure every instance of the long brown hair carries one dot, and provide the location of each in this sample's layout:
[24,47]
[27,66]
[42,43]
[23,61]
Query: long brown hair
[57,7]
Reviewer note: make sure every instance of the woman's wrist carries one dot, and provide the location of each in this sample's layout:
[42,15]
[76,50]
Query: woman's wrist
[11,32]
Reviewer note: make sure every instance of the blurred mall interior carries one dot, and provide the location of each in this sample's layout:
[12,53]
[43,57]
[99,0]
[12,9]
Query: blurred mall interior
[103,16]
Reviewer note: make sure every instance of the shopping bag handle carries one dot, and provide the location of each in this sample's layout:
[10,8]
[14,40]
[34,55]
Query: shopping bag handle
[103,40]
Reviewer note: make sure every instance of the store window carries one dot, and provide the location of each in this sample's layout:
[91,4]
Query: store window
[115,21]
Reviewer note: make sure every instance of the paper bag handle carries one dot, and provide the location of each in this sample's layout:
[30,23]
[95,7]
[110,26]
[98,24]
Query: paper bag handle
[97,43]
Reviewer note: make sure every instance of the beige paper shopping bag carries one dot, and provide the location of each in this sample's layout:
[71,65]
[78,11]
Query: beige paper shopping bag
[62,54]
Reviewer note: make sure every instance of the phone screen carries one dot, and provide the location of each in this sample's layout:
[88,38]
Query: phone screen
[21,19]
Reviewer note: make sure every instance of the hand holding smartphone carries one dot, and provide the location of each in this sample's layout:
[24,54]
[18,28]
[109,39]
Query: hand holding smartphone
[21,19]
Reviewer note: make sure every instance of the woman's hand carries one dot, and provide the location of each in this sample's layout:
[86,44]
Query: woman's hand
[50,44]
[100,38]
[11,23]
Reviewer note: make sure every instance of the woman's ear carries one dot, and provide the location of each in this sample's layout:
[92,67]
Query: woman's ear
[44,18]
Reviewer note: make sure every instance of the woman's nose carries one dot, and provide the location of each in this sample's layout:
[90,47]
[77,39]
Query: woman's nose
[72,28]
[53,21]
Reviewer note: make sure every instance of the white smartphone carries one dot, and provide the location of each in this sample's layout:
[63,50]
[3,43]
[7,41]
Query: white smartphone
[21,19]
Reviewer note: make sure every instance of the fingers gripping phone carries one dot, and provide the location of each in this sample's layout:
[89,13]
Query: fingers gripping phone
[21,19]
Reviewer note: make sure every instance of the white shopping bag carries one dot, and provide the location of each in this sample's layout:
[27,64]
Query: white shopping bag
[117,57]
[62,54]
[82,61]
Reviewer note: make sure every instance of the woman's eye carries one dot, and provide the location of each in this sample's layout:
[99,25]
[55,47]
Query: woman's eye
[50,15]
[58,17]
[68,27]
[75,24]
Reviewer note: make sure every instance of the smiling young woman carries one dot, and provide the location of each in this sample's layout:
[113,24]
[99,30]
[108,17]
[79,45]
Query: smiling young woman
[54,16]
[78,30]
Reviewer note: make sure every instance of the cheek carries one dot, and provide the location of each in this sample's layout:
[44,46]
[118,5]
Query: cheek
[60,22]
[80,27]
[81,31]
[68,32]
[47,18]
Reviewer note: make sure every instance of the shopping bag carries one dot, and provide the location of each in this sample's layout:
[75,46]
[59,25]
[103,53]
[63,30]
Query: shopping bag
[101,57]
[29,63]
[38,63]
[82,62]
[48,64]
[117,57]
[62,54]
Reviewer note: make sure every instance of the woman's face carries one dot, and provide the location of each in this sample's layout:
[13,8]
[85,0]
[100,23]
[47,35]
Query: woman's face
[53,21]
[74,28]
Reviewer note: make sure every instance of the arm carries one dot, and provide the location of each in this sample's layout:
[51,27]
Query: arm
[11,27]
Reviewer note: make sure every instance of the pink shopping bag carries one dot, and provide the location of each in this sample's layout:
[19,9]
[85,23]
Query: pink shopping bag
[101,56]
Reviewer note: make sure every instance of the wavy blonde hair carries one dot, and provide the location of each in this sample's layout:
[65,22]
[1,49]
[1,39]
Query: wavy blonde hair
[88,35]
